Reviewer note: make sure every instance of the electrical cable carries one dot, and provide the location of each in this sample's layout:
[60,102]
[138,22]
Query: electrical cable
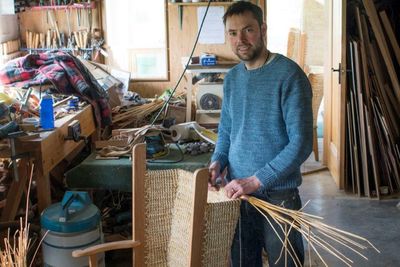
[186,66]
[169,161]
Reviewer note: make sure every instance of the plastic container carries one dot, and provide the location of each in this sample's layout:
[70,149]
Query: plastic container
[46,112]
[72,224]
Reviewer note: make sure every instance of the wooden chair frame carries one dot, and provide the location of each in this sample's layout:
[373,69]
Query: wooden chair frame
[138,241]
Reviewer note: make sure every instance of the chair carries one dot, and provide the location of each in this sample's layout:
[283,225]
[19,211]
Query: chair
[296,50]
[317,85]
[175,220]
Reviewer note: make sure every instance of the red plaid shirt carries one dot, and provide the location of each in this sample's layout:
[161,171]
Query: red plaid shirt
[60,69]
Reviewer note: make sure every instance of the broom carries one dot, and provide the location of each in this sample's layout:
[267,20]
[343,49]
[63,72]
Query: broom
[317,234]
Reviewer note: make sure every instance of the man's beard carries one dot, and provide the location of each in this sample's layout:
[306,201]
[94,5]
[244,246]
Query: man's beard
[254,53]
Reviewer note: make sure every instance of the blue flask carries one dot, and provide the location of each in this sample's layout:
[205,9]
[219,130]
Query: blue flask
[46,112]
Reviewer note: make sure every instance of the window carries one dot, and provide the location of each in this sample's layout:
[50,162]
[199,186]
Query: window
[137,38]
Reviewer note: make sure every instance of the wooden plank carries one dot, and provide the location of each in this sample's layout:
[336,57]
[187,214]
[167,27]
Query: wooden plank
[302,49]
[197,221]
[104,143]
[361,124]
[349,142]
[355,145]
[372,153]
[138,205]
[15,192]
[391,35]
[378,32]
[384,92]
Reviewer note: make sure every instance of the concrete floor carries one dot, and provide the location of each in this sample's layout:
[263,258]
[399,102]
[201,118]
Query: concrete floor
[377,221]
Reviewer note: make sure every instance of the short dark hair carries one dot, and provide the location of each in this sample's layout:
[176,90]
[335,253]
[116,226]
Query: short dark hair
[241,7]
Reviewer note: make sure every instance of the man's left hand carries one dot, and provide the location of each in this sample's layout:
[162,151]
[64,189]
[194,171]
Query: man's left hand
[244,186]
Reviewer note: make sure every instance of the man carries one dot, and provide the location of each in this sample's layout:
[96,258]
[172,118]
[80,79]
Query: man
[264,135]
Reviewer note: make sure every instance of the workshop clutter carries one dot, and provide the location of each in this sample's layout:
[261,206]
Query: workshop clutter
[53,40]
[39,71]
[69,26]
[9,50]
[190,137]
[9,47]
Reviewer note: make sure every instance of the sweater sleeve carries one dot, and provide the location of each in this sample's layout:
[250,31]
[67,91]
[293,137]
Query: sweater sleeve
[296,103]
[224,130]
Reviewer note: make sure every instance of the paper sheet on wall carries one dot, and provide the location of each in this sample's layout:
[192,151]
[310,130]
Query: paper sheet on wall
[213,27]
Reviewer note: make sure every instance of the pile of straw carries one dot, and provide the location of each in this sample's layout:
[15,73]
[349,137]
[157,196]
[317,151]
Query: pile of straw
[136,114]
[15,253]
[317,234]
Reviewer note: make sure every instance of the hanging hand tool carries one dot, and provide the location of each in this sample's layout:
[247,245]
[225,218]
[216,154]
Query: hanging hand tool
[69,42]
[78,14]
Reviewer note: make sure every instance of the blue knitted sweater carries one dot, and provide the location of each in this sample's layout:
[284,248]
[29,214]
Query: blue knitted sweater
[266,124]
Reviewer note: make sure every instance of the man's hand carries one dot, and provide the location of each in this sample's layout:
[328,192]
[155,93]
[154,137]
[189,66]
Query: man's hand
[215,172]
[238,187]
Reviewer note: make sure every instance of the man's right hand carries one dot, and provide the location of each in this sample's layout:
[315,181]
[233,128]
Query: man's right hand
[215,172]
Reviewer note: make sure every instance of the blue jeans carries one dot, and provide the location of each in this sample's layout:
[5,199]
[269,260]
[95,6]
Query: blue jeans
[254,233]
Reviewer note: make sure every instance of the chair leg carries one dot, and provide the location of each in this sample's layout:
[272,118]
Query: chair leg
[315,144]
[93,260]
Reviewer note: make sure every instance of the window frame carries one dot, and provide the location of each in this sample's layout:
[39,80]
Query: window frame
[130,54]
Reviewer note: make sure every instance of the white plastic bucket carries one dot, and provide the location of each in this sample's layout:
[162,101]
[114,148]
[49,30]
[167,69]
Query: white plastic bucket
[72,224]
[57,248]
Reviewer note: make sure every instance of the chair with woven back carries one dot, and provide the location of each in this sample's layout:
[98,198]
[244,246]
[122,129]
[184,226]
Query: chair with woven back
[296,50]
[317,84]
[175,220]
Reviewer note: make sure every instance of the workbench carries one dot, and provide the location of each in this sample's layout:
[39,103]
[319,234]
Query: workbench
[47,149]
[116,174]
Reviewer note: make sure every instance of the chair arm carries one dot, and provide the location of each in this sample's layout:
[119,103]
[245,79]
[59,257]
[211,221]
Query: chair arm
[105,247]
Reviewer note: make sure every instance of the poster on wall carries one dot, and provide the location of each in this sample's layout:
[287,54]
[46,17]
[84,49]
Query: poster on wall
[6,7]
[213,27]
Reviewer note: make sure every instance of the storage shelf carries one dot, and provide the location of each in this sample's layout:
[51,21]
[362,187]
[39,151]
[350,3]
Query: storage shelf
[55,49]
[92,5]
[210,111]
[220,67]
[200,4]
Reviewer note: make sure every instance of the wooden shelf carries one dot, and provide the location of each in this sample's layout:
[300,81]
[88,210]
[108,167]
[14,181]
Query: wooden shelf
[200,3]
[55,49]
[208,111]
[92,5]
[219,67]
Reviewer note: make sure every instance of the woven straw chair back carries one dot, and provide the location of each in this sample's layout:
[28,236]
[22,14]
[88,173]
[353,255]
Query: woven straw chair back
[169,206]
[317,85]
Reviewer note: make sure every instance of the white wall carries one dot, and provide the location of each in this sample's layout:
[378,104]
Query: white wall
[6,7]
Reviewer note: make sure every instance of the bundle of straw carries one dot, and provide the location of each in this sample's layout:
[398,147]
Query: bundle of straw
[136,114]
[316,233]
[15,253]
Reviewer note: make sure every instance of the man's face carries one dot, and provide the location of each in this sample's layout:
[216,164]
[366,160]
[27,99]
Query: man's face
[245,36]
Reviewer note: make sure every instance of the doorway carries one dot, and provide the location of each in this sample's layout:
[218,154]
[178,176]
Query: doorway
[299,30]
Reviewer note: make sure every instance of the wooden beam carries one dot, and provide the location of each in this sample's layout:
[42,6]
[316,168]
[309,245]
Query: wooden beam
[138,205]
[378,32]
[391,35]
[197,220]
